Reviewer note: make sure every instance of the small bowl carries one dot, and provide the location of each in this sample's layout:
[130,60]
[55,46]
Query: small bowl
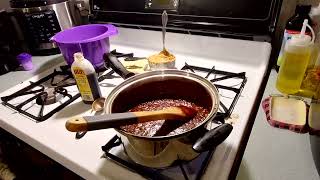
[158,66]
[162,60]
[286,113]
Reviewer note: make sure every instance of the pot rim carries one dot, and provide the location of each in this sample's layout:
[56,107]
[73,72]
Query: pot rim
[162,73]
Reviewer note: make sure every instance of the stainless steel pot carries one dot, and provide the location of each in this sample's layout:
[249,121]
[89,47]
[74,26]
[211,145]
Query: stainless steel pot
[162,151]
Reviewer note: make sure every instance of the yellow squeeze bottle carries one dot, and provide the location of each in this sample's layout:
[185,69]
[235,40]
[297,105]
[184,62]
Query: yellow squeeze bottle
[295,62]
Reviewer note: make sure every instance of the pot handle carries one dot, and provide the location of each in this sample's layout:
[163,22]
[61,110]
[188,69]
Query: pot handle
[117,66]
[212,138]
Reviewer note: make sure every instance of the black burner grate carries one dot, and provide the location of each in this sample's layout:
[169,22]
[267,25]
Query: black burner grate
[179,170]
[225,111]
[37,90]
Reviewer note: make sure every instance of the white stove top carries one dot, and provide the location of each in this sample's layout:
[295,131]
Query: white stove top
[84,156]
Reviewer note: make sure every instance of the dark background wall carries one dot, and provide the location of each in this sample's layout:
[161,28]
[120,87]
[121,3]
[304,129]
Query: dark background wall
[288,7]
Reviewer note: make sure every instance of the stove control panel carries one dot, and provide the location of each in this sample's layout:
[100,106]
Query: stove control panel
[42,26]
[162,4]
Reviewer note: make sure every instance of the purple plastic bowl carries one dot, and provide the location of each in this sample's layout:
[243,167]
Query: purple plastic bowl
[92,40]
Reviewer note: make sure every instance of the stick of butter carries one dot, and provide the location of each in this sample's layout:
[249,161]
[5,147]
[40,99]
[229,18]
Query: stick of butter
[138,66]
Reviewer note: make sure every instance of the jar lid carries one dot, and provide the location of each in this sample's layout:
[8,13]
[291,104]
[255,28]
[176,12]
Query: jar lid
[23,57]
[314,116]
[293,113]
[286,113]
[300,40]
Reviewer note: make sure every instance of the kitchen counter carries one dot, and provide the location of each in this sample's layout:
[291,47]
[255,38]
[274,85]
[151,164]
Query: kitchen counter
[270,154]
[276,154]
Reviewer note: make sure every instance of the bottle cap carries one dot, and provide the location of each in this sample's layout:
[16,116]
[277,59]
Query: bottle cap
[25,60]
[298,44]
[24,57]
[78,56]
[300,40]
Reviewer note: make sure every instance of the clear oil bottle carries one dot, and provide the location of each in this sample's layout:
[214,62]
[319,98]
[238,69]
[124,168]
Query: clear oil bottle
[295,62]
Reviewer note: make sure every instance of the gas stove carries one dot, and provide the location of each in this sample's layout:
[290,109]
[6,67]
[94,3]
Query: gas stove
[179,170]
[229,85]
[45,97]
[237,75]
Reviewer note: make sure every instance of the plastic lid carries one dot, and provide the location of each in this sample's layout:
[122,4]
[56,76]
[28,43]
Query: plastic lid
[286,113]
[23,57]
[314,115]
[298,44]
[300,40]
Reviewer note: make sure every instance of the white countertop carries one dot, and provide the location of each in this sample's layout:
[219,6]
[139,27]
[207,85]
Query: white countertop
[274,153]
[84,156]
[41,63]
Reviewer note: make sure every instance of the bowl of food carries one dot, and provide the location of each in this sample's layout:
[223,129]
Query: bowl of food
[162,60]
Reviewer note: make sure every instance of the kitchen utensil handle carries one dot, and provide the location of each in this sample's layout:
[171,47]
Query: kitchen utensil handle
[212,138]
[117,66]
[76,124]
[164,25]
[89,123]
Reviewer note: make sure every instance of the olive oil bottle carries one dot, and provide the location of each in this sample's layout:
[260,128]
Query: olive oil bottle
[85,76]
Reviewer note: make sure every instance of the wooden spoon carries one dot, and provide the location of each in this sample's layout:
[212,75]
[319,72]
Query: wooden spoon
[89,123]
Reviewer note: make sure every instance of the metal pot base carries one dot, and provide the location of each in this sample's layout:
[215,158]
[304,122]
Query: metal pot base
[174,150]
